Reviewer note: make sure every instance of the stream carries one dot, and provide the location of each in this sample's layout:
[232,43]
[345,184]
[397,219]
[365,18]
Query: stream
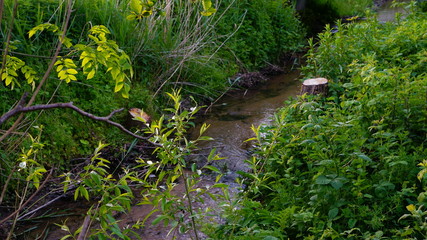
[230,122]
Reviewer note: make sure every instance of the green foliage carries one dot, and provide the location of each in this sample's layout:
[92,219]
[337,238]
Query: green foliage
[28,162]
[264,30]
[114,196]
[97,58]
[182,48]
[11,70]
[345,167]
[172,208]
[169,135]
[317,13]
[348,7]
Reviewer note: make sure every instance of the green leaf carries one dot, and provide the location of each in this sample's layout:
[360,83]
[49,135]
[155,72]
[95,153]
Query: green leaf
[212,168]
[208,12]
[8,80]
[76,193]
[84,192]
[91,74]
[125,91]
[160,218]
[325,162]
[322,180]
[96,178]
[118,86]
[333,213]
[136,6]
[207,4]
[72,71]
[270,238]
[307,141]
[131,17]
[220,185]
[336,183]
[72,77]
[421,174]
[352,222]
[364,157]
[32,32]
[66,237]
[116,230]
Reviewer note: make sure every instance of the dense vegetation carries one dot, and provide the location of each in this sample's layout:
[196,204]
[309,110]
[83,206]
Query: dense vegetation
[348,166]
[112,54]
[352,165]
[181,49]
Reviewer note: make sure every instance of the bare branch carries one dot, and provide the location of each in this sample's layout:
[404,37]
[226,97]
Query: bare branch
[29,199]
[20,108]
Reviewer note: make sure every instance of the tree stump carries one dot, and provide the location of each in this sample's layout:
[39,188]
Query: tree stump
[315,86]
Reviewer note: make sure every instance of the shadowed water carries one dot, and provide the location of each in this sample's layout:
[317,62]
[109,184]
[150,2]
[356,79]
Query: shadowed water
[231,120]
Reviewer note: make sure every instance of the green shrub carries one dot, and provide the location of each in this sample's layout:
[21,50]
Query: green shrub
[264,30]
[348,7]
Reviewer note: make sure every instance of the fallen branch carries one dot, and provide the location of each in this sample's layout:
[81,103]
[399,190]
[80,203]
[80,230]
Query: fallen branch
[20,108]
[45,205]
[85,228]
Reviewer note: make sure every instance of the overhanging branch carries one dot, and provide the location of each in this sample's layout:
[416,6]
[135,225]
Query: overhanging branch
[20,108]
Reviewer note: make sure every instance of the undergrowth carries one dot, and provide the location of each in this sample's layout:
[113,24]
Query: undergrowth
[352,165]
[180,49]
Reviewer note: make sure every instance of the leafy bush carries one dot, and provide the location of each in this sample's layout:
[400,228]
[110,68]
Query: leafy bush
[264,30]
[346,166]
[348,7]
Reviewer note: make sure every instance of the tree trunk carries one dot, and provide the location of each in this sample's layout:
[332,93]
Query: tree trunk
[315,86]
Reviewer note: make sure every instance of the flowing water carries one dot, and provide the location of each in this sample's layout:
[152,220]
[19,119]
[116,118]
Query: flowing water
[231,120]
[387,13]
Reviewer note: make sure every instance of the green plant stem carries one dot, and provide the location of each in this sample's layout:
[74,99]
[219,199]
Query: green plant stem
[187,192]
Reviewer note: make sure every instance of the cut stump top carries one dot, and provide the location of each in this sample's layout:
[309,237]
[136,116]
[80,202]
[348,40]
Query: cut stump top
[315,81]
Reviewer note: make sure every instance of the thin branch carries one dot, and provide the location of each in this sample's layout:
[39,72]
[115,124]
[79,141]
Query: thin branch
[46,74]
[1,14]
[46,204]
[85,228]
[9,34]
[26,54]
[21,109]
[29,199]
